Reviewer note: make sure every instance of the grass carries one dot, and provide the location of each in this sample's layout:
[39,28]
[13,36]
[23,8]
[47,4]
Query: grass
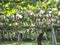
[20,43]
[29,43]
[25,43]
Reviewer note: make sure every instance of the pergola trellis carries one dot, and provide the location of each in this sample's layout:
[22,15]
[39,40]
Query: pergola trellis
[53,32]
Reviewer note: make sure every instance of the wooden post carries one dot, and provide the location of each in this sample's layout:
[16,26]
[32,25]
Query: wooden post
[9,36]
[54,42]
[19,35]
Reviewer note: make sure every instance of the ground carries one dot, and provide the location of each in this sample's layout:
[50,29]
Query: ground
[26,43]
[23,43]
